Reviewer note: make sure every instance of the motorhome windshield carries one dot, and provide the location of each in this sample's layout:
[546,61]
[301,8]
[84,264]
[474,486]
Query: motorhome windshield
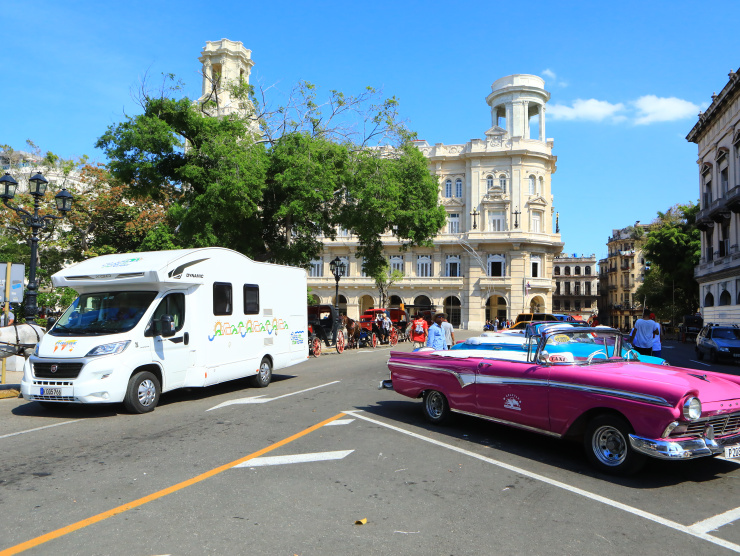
[99,313]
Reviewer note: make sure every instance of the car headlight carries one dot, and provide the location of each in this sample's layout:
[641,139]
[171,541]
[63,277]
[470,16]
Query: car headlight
[692,409]
[108,349]
[720,348]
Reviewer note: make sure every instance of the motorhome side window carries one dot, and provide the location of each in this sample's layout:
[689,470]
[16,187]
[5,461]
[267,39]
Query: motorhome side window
[222,299]
[251,299]
[172,304]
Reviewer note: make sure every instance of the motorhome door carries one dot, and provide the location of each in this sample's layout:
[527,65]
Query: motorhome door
[175,353]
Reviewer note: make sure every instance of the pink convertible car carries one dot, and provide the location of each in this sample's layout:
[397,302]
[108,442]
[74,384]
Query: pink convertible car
[576,383]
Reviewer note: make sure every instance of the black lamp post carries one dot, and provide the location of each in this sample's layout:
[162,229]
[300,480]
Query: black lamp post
[337,268]
[516,217]
[475,215]
[63,200]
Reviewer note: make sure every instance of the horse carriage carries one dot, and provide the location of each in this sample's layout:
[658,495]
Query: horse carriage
[325,326]
[369,332]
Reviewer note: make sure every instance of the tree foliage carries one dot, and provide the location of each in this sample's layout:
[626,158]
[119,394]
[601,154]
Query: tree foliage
[270,182]
[673,247]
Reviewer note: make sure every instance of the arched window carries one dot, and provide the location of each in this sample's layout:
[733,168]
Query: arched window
[709,300]
[502,182]
[458,187]
[452,266]
[588,271]
[578,271]
[557,271]
[532,185]
[725,298]
[489,182]
[448,188]
[567,271]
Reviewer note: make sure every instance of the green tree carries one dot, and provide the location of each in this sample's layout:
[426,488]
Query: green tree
[270,182]
[673,247]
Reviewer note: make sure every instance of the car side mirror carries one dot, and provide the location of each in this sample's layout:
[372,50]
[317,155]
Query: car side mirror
[544,357]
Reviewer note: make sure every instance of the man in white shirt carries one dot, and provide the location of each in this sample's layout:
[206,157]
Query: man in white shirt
[449,332]
[643,334]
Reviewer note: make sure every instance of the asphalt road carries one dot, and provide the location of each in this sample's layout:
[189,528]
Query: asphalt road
[196,477]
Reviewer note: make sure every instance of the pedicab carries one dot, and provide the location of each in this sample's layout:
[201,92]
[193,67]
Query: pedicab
[324,327]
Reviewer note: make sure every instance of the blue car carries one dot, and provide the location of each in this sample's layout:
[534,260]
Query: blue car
[718,342]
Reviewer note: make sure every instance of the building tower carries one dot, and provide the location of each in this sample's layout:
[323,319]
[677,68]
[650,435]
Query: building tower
[224,62]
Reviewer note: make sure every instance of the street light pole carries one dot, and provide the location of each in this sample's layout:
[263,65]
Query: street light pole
[337,268]
[38,184]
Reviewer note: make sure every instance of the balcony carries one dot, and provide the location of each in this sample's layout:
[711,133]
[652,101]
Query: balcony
[733,199]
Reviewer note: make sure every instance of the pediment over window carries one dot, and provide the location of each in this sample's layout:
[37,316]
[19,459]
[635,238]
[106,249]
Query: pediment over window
[453,201]
[496,196]
[706,167]
[495,130]
[537,200]
[722,152]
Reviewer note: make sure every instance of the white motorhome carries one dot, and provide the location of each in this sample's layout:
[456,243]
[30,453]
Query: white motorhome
[146,323]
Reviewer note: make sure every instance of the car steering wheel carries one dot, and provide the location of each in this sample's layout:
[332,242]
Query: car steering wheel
[597,352]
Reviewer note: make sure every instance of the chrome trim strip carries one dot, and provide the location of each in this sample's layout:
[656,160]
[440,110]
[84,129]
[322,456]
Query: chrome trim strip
[509,423]
[647,398]
[487,379]
[465,379]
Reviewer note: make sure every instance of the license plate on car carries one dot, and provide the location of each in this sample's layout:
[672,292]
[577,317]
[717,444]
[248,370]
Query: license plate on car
[732,452]
[736,354]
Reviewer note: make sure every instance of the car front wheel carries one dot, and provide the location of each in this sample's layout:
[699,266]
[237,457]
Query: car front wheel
[142,394]
[436,408]
[608,446]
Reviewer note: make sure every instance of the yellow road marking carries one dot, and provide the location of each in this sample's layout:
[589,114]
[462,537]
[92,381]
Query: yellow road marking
[156,495]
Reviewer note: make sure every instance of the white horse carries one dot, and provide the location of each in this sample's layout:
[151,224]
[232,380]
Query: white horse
[19,339]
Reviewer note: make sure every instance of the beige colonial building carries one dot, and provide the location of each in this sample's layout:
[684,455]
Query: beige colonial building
[576,286]
[494,256]
[621,273]
[717,134]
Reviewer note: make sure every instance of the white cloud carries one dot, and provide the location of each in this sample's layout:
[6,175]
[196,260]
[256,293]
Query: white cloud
[549,74]
[652,109]
[590,110]
[553,78]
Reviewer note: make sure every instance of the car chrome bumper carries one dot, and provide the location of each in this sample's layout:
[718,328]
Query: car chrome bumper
[385,385]
[682,449]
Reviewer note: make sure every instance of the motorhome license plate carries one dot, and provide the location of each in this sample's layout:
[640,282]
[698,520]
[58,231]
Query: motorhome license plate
[732,452]
[51,392]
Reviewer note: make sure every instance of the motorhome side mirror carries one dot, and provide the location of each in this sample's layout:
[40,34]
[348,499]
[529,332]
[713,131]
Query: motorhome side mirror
[166,326]
[51,321]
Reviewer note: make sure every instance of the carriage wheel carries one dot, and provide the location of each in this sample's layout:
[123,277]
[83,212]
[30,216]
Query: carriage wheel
[340,342]
[393,337]
[375,340]
[316,347]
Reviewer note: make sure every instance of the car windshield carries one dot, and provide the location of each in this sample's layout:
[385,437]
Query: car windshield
[580,347]
[726,333]
[94,314]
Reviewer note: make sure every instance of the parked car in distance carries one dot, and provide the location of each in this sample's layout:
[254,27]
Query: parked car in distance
[577,383]
[535,316]
[719,342]
[691,326]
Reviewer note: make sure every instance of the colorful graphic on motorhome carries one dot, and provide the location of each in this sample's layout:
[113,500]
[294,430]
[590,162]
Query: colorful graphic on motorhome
[250,327]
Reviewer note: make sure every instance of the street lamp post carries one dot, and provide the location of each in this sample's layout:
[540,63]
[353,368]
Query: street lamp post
[337,268]
[516,217]
[475,215]
[63,200]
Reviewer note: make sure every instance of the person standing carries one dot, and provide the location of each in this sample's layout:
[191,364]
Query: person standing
[436,336]
[657,348]
[643,333]
[419,331]
[7,320]
[387,325]
[449,333]
[495,325]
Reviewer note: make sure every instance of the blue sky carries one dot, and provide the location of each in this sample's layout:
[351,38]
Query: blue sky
[627,79]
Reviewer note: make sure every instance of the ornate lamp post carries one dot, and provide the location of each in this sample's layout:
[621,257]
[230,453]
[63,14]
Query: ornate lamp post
[63,200]
[475,215]
[337,268]
[516,217]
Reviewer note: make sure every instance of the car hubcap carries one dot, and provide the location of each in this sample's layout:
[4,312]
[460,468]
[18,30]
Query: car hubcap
[434,404]
[609,446]
[146,392]
[264,371]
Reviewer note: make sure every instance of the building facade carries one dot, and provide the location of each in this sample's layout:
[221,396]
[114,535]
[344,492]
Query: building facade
[576,286]
[717,134]
[495,254]
[621,273]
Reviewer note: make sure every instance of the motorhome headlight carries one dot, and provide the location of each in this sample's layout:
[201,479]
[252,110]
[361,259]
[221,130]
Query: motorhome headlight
[108,349]
[36,349]
[692,409]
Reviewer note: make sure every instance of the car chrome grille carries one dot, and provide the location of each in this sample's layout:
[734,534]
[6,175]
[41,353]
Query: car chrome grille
[63,370]
[723,425]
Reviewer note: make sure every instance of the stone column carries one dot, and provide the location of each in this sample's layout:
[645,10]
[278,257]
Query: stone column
[525,114]
[543,137]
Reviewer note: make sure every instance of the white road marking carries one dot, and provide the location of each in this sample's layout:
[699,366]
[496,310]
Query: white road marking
[689,530]
[40,428]
[263,399]
[714,523]
[339,422]
[700,363]
[296,458]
